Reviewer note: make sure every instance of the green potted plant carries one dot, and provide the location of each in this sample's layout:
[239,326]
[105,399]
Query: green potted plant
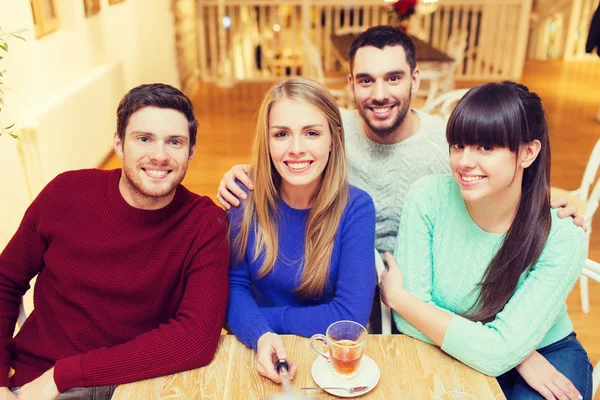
[4,38]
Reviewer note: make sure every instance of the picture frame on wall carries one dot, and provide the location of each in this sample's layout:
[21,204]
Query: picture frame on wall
[111,2]
[91,7]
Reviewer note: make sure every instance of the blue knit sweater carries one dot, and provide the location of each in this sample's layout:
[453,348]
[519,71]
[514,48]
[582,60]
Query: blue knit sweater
[269,304]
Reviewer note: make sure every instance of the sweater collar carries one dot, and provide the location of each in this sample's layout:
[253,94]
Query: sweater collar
[466,220]
[380,147]
[137,214]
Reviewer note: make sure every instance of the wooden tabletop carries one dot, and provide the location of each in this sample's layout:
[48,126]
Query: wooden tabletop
[410,369]
[425,52]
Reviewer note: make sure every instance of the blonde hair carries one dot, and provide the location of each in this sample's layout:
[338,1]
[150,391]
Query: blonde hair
[324,217]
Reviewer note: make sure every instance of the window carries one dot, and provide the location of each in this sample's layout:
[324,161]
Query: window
[45,17]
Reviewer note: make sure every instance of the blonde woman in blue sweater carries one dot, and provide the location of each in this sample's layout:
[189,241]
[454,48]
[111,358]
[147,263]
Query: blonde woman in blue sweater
[303,239]
[483,266]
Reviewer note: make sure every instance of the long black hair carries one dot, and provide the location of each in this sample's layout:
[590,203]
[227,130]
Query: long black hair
[508,115]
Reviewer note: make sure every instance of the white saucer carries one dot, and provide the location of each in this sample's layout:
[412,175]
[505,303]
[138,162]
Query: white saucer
[368,375]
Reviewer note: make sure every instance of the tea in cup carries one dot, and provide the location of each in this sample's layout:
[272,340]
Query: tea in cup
[344,345]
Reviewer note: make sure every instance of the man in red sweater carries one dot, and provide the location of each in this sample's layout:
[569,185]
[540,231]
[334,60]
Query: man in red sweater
[132,279]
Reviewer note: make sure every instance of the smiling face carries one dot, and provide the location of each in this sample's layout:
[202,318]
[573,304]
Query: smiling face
[483,172]
[155,153]
[299,144]
[382,84]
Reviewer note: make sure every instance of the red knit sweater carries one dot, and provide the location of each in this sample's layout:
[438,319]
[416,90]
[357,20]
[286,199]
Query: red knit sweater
[122,294]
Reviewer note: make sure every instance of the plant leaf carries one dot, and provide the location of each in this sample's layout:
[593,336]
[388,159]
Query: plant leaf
[4,46]
[10,126]
[18,37]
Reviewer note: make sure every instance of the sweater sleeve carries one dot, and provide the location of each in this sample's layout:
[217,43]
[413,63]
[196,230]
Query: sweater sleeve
[186,342]
[21,260]
[517,330]
[243,314]
[356,282]
[413,252]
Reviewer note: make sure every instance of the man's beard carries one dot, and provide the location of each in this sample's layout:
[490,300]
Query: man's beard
[383,132]
[147,192]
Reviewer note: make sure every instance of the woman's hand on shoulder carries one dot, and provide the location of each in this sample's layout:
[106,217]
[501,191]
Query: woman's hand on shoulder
[269,350]
[568,211]
[229,191]
[545,379]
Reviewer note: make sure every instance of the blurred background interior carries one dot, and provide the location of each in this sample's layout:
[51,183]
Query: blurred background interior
[60,86]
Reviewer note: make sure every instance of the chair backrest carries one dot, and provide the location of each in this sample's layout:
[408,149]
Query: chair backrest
[456,45]
[591,269]
[455,48]
[592,205]
[591,170]
[386,314]
[444,103]
[22,315]
[312,65]
[345,30]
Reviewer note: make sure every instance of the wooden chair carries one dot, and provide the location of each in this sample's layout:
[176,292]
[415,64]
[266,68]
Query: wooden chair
[313,69]
[444,104]
[442,79]
[22,316]
[455,48]
[386,313]
[587,205]
[591,269]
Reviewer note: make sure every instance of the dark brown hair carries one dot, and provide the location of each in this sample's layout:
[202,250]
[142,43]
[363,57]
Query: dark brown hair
[507,115]
[382,36]
[155,95]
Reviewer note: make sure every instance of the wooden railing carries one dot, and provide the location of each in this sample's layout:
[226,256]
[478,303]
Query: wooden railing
[579,26]
[497,35]
[560,30]
[261,39]
[548,31]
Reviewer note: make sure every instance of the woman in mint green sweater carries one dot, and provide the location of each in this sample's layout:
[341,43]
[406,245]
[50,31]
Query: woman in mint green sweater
[483,266]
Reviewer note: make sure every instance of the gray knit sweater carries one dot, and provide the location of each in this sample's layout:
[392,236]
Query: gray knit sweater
[387,171]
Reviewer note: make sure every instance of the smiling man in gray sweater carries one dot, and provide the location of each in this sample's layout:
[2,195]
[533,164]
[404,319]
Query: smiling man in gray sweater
[388,144]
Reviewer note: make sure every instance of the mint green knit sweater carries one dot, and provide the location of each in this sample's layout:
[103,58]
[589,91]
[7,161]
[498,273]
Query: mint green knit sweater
[443,255]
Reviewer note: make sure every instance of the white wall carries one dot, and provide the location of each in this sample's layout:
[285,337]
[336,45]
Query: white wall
[137,34]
